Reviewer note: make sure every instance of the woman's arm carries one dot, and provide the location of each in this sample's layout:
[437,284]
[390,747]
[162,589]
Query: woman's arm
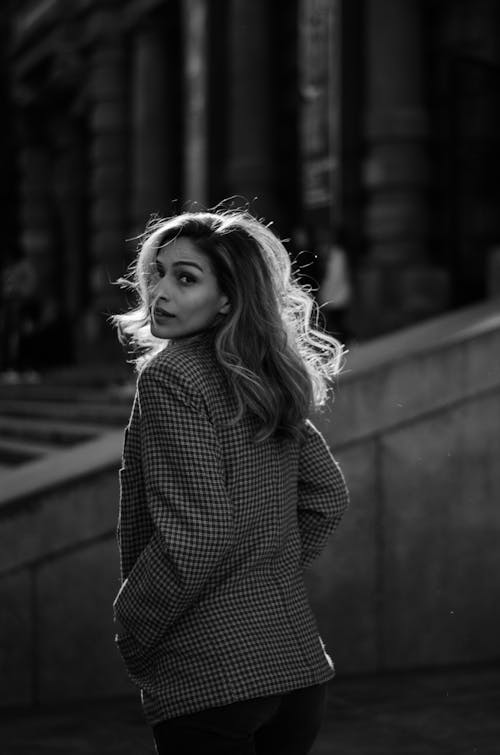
[186,496]
[323,494]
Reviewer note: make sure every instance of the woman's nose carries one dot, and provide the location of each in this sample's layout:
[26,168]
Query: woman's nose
[161,288]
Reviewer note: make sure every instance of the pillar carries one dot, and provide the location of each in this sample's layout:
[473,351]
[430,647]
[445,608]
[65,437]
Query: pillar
[151,173]
[319,84]
[195,26]
[250,165]
[69,190]
[109,118]
[397,283]
[35,208]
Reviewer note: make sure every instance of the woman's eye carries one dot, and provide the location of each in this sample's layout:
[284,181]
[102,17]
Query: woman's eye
[186,279]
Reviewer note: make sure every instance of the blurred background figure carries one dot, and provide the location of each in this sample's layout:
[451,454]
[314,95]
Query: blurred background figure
[19,319]
[335,290]
[34,331]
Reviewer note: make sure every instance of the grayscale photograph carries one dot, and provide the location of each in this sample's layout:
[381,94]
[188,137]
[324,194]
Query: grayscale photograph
[250,377]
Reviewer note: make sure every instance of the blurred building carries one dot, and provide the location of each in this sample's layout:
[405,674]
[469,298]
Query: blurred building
[381,115]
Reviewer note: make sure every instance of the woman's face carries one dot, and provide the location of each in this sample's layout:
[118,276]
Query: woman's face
[185,297]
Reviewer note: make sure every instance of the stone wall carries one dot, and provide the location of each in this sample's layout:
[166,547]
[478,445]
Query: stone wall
[58,576]
[408,580]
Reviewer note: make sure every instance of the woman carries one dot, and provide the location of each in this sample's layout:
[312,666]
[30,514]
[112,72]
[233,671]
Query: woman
[227,491]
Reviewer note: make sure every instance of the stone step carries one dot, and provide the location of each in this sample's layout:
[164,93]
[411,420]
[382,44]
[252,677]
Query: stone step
[95,375]
[76,375]
[42,430]
[60,410]
[115,393]
[102,413]
[14,452]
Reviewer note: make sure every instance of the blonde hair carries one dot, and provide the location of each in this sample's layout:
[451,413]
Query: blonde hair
[279,364]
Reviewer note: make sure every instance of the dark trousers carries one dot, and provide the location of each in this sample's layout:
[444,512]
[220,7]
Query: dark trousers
[276,725]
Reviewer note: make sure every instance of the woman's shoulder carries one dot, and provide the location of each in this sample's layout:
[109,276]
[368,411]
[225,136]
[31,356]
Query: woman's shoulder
[187,364]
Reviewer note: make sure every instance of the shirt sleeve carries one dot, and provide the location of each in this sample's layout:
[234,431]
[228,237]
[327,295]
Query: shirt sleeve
[187,499]
[322,494]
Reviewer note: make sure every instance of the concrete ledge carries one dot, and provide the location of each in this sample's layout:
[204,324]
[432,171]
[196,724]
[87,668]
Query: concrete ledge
[396,379]
[430,336]
[33,479]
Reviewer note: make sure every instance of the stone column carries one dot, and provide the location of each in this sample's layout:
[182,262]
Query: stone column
[195,85]
[41,245]
[250,166]
[109,177]
[319,83]
[34,174]
[151,132]
[397,284]
[69,191]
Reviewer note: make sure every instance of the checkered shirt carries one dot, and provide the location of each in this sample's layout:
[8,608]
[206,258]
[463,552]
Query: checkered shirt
[214,532]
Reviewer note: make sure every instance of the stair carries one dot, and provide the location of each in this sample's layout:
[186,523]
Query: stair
[62,410]
[14,451]
[59,433]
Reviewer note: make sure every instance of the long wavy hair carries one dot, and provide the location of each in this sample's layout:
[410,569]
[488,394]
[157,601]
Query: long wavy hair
[279,364]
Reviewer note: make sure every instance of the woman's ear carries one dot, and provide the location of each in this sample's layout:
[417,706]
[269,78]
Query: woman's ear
[225,306]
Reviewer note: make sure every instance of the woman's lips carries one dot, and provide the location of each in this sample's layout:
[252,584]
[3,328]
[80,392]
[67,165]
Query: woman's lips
[160,314]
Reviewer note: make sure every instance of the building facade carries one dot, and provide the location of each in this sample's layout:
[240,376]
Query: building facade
[378,115]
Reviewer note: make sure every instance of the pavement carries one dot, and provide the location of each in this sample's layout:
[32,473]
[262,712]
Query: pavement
[454,711]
